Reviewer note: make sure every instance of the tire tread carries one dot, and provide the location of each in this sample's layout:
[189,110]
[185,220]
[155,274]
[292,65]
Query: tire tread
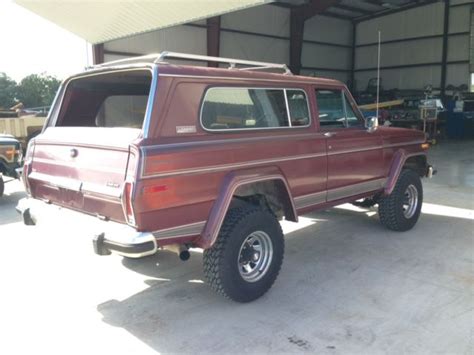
[213,257]
[388,206]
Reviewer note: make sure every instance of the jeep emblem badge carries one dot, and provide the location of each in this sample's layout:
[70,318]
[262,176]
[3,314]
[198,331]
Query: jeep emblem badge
[73,153]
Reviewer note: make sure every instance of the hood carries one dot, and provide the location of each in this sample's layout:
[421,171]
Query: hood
[402,133]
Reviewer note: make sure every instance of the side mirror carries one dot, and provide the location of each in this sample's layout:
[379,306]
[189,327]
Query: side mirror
[371,124]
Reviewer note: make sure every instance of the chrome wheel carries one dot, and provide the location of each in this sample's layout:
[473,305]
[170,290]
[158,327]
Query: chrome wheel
[255,256]
[410,201]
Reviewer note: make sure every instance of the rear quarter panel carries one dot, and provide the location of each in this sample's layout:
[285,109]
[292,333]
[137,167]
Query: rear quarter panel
[189,169]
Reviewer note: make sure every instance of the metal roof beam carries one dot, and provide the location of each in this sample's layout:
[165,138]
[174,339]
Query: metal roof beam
[340,17]
[353,9]
[298,16]
[315,7]
[375,2]
[410,6]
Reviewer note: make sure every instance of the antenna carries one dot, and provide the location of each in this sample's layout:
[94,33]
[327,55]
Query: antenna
[378,80]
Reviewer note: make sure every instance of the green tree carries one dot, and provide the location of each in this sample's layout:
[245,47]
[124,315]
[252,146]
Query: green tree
[7,91]
[37,90]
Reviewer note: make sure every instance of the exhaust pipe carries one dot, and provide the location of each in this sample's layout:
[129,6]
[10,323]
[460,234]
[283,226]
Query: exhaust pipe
[181,250]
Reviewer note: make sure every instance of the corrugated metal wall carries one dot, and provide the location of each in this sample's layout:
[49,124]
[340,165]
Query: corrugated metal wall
[317,56]
[426,54]
[262,33]
[190,39]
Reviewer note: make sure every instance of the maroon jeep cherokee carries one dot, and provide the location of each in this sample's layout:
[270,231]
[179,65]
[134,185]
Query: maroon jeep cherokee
[173,156]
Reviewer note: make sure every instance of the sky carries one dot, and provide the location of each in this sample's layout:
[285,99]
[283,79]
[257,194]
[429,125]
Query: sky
[30,44]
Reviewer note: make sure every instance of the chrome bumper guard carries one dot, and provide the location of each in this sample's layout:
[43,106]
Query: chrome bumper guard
[108,236]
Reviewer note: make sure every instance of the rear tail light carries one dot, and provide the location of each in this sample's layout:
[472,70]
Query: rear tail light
[127,203]
[28,159]
[29,151]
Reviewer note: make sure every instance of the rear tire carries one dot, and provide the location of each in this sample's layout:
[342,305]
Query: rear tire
[401,209]
[246,258]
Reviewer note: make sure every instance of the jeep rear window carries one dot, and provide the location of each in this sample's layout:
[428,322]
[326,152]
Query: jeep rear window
[117,99]
[229,108]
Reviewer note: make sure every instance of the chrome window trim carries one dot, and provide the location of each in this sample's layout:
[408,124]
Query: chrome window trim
[54,108]
[357,112]
[288,108]
[259,128]
[343,97]
[150,102]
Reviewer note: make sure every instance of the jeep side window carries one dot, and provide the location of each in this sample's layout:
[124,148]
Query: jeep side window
[352,119]
[247,108]
[298,107]
[331,108]
[335,109]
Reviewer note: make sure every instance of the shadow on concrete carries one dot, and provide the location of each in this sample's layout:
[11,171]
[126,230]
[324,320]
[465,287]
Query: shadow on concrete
[346,284]
[8,203]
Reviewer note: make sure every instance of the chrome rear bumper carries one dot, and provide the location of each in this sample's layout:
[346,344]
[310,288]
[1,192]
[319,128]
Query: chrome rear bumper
[107,236]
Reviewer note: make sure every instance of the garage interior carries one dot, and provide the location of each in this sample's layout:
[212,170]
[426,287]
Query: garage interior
[347,285]
[426,49]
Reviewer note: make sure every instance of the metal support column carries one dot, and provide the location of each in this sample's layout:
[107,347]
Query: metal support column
[213,38]
[98,53]
[444,58]
[296,39]
[353,57]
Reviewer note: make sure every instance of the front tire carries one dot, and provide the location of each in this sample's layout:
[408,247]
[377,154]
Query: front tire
[401,209]
[246,258]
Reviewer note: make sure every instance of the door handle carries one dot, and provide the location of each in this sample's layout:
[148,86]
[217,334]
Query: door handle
[329,134]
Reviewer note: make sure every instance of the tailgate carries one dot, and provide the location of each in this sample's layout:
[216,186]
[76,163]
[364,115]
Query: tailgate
[82,168]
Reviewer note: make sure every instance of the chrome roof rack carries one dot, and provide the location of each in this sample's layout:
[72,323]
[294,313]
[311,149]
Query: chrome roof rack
[233,63]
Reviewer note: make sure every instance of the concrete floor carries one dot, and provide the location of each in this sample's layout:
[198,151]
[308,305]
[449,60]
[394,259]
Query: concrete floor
[347,286]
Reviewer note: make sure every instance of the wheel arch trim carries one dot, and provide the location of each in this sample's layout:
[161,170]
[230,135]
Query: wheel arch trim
[398,162]
[231,183]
